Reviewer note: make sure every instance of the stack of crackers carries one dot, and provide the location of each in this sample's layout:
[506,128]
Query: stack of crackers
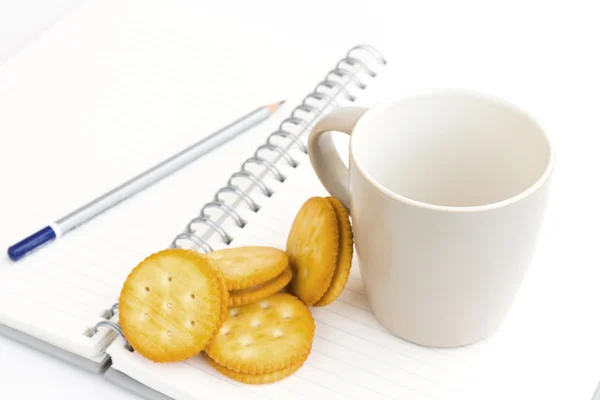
[245,308]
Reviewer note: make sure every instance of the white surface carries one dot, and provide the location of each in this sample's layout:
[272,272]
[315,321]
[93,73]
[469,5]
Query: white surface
[539,55]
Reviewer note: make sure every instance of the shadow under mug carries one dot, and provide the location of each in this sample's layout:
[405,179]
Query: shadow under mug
[447,191]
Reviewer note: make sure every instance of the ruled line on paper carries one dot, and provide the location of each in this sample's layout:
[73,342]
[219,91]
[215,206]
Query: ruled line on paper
[215,375]
[334,308]
[396,367]
[45,306]
[353,383]
[451,354]
[318,314]
[354,299]
[331,393]
[367,372]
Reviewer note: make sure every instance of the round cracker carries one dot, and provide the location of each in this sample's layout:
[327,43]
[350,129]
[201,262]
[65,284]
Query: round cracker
[172,304]
[246,296]
[265,336]
[258,379]
[312,248]
[344,260]
[224,297]
[247,266]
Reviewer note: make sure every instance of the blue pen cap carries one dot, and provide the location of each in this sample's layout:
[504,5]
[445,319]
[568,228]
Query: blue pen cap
[38,239]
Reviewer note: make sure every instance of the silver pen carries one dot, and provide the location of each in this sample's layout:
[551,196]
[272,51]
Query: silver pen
[139,183]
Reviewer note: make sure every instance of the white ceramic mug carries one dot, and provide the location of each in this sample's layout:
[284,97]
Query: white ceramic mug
[447,191]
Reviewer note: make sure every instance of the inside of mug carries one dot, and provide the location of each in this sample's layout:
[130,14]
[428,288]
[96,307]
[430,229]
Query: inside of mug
[451,149]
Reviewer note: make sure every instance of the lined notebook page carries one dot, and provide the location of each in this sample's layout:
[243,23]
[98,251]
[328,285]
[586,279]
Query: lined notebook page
[353,357]
[111,90]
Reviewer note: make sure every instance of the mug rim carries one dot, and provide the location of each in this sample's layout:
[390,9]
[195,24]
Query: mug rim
[373,112]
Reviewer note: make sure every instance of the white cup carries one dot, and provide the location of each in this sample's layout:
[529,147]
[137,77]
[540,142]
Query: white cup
[447,191]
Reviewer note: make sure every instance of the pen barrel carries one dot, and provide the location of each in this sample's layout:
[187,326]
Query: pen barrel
[38,239]
[160,171]
[137,184]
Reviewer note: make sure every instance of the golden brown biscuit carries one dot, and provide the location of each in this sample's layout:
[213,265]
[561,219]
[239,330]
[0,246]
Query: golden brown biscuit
[257,379]
[171,305]
[247,266]
[312,248]
[344,258]
[224,296]
[265,336]
[250,295]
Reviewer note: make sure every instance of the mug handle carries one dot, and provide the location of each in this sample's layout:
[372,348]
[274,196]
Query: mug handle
[325,160]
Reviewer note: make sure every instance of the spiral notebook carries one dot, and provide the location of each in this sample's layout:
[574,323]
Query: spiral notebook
[130,96]
[138,81]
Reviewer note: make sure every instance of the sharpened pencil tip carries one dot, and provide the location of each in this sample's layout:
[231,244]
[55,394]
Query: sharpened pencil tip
[273,107]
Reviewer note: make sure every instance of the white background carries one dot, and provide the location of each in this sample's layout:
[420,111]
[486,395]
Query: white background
[541,55]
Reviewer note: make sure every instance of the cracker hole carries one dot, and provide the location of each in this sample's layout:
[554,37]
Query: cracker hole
[193,296]
[169,305]
[225,330]
[192,323]
[147,289]
[234,312]
[277,333]
[170,279]
[246,342]
[169,333]
[286,315]
[264,305]
[146,315]
[255,323]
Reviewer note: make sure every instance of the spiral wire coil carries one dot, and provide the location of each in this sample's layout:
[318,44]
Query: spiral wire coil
[347,72]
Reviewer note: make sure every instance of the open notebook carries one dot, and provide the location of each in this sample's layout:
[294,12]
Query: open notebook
[119,85]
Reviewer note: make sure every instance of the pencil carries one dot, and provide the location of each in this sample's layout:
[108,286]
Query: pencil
[139,183]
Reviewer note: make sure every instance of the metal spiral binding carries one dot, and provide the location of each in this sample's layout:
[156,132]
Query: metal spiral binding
[347,70]
[110,312]
[346,73]
[113,326]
